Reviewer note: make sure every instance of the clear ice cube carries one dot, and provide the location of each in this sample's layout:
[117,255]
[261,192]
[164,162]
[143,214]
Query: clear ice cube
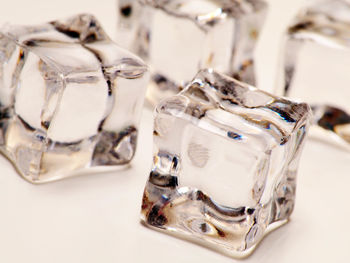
[225,163]
[70,98]
[179,37]
[316,58]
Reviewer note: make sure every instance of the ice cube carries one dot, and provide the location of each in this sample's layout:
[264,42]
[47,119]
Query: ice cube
[316,59]
[70,98]
[177,38]
[225,163]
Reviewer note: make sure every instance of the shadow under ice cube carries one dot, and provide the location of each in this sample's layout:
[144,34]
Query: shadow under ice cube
[225,163]
[70,98]
[316,62]
[179,37]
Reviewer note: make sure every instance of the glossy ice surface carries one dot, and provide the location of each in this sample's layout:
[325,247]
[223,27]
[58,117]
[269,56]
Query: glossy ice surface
[225,163]
[316,59]
[177,38]
[67,98]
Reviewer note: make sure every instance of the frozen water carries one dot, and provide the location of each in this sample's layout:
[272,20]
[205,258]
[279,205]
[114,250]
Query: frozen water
[70,98]
[225,163]
[316,58]
[177,38]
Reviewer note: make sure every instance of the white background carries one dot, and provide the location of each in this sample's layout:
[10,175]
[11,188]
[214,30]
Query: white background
[95,218]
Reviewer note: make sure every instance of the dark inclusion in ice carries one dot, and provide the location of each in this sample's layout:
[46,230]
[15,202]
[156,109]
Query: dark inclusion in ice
[70,98]
[332,119]
[115,148]
[225,163]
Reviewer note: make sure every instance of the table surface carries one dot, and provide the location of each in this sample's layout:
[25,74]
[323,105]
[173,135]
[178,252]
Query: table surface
[95,218]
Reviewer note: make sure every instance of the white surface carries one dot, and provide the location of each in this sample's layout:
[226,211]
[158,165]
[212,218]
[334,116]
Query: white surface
[95,218]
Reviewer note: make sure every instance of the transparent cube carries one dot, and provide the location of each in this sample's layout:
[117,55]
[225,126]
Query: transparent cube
[178,37]
[67,98]
[316,59]
[225,163]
